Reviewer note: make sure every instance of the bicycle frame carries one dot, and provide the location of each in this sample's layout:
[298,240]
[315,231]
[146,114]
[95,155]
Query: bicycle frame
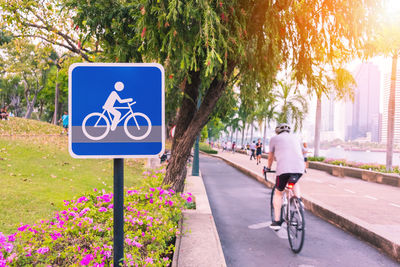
[122,118]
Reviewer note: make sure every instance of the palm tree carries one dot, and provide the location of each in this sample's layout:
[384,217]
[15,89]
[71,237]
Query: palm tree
[293,105]
[340,84]
[387,42]
[265,113]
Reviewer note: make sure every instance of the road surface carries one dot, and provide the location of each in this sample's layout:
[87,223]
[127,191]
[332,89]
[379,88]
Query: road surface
[240,206]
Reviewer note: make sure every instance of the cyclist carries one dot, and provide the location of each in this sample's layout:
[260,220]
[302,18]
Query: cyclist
[109,105]
[286,149]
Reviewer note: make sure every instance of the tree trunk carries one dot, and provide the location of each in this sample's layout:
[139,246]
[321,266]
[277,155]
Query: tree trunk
[251,131]
[189,124]
[232,130]
[265,136]
[56,97]
[391,114]
[243,129]
[317,127]
[236,135]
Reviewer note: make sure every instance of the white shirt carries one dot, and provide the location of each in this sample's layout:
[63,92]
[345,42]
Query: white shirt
[253,146]
[287,150]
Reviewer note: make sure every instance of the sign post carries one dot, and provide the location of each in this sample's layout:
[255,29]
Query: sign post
[118,210]
[116,111]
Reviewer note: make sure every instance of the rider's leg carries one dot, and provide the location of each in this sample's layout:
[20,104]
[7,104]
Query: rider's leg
[117,116]
[296,190]
[277,201]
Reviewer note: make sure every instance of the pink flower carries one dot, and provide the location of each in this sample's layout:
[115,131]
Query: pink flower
[82,199]
[8,247]
[87,259]
[149,260]
[189,199]
[42,250]
[22,228]
[11,238]
[102,209]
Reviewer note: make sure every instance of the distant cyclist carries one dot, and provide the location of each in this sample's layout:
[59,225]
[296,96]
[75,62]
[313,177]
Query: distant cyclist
[286,149]
[110,102]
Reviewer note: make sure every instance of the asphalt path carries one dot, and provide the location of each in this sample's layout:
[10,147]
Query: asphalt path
[241,210]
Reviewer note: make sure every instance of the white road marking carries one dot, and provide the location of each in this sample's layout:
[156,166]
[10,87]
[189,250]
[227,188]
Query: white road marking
[350,191]
[394,205]
[373,198]
[331,185]
[259,225]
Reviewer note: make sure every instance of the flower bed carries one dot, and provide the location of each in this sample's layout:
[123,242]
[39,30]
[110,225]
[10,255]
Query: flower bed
[366,166]
[82,233]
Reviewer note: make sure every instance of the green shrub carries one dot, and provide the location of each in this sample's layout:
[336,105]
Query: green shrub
[316,159]
[207,149]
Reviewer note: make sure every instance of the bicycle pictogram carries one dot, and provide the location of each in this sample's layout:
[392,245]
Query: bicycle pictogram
[138,129]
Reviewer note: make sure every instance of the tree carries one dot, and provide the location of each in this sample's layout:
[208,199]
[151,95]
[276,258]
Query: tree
[204,45]
[340,82]
[265,114]
[386,41]
[50,22]
[293,105]
[30,62]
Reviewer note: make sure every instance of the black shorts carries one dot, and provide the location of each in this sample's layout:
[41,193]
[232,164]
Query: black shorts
[305,159]
[258,152]
[65,126]
[283,179]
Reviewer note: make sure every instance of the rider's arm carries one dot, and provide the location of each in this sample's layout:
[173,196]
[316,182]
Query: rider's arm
[123,100]
[270,159]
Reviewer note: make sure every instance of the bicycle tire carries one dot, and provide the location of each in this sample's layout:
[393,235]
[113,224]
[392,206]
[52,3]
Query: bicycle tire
[91,137]
[296,225]
[272,206]
[140,137]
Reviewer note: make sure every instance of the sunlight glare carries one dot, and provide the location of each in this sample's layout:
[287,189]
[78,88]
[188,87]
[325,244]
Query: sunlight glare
[392,7]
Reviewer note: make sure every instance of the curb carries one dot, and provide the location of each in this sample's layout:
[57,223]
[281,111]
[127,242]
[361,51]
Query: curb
[344,222]
[199,243]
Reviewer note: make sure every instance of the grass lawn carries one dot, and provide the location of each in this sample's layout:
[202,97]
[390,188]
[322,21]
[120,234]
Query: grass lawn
[37,173]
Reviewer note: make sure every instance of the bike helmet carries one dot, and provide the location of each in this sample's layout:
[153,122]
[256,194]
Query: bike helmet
[282,127]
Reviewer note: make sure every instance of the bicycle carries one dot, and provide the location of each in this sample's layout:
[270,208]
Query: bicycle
[103,126]
[292,212]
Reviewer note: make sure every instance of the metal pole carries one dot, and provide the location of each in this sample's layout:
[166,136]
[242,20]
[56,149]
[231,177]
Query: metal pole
[195,168]
[196,164]
[118,211]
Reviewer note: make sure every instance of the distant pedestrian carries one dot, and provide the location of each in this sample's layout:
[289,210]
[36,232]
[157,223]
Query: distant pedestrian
[228,146]
[258,151]
[233,146]
[65,120]
[247,149]
[253,150]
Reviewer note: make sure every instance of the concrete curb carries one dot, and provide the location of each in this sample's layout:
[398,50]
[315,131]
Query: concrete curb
[347,223]
[199,243]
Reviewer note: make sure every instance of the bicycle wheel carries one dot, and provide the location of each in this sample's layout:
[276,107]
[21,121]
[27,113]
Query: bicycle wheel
[296,225]
[100,128]
[135,129]
[283,208]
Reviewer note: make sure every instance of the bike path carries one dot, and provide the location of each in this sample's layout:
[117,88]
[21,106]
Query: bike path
[240,207]
[369,210]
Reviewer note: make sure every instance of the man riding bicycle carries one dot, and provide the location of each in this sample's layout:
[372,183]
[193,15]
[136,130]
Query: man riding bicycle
[286,149]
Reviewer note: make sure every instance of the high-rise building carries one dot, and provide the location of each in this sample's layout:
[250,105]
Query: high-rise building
[362,115]
[386,92]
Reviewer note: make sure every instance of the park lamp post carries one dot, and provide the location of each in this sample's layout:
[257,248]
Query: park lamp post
[196,164]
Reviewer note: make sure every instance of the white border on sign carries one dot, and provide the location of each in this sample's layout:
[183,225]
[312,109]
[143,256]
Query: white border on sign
[73,66]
